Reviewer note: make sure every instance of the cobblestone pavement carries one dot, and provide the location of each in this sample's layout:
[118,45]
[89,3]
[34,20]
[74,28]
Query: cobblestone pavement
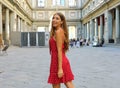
[93,67]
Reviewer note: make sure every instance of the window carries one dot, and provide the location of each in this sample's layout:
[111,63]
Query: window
[41,3]
[72,3]
[58,2]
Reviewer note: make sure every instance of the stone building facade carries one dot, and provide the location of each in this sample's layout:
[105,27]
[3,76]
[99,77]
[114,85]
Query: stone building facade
[27,22]
[101,18]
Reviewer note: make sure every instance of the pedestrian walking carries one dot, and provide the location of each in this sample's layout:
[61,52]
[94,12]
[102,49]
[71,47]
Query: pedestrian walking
[60,70]
[71,43]
[81,41]
[77,43]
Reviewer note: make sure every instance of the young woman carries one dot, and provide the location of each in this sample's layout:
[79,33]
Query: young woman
[60,70]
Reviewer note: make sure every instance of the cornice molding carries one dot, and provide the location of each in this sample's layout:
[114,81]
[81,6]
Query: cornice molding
[85,4]
[17,7]
[30,6]
[54,9]
[99,10]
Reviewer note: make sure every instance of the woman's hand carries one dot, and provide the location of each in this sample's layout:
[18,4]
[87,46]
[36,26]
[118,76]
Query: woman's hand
[60,73]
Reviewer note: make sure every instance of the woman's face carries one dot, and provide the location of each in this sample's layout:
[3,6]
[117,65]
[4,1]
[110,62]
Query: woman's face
[56,21]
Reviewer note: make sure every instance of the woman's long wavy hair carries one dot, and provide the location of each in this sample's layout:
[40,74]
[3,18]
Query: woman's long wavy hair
[64,26]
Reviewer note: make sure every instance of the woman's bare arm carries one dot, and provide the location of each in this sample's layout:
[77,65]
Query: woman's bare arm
[59,42]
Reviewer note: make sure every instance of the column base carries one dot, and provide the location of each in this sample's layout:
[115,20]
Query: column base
[117,41]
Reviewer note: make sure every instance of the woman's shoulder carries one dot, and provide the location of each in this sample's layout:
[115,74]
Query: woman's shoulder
[59,31]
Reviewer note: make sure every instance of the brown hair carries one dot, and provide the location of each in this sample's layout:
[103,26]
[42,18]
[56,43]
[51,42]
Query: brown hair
[64,26]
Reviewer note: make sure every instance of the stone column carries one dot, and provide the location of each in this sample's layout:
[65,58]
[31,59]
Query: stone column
[85,31]
[13,22]
[7,31]
[1,19]
[101,27]
[96,27]
[117,40]
[91,30]
[88,31]
[108,26]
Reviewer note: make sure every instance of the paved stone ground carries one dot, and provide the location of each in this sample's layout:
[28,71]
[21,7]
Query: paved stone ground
[93,67]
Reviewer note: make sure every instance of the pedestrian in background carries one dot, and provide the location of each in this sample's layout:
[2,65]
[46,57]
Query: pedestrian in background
[77,43]
[60,70]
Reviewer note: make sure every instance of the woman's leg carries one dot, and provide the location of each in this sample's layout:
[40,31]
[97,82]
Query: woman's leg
[56,85]
[69,84]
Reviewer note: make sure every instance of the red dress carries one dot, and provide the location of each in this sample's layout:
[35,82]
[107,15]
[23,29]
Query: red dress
[53,77]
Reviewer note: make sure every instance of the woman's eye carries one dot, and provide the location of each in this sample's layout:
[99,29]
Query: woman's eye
[53,18]
[57,18]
